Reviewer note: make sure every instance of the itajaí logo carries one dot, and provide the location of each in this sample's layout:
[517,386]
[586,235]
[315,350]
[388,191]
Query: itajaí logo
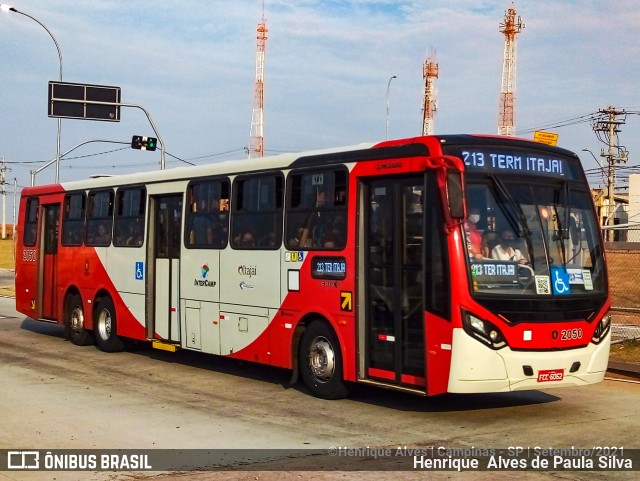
[204,271]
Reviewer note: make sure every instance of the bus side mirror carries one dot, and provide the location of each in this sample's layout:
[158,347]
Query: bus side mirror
[455,194]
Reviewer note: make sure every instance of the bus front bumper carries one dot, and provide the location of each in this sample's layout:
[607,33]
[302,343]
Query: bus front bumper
[475,368]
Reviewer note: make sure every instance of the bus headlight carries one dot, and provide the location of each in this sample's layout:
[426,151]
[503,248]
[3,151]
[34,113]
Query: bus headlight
[602,329]
[482,330]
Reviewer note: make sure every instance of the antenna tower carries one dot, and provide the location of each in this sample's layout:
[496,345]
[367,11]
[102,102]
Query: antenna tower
[510,27]
[256,148]
[429,106]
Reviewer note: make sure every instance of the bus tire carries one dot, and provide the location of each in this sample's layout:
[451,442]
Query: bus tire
[74,322]
[105,327]
[320,362]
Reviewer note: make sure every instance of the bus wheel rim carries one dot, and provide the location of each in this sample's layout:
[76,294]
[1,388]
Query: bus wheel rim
[77,320]
[322,359]
[104,324]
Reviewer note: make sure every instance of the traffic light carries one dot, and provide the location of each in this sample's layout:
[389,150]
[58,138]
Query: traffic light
[143,143]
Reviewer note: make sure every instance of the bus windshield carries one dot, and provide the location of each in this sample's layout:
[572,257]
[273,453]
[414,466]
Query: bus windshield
[532,237]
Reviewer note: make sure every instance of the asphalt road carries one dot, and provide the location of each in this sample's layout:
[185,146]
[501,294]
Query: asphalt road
[7,277]
[54,395]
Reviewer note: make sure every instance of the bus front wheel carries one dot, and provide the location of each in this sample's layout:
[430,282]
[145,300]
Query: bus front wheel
[74,322]
[104,324]
[320,362]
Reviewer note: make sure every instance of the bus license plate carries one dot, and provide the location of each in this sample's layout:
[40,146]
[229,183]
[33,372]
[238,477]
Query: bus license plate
[551,375]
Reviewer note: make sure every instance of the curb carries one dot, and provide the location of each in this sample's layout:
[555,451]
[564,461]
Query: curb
[630,368]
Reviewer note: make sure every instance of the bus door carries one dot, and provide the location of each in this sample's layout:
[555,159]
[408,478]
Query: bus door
[48,264]
[392,264]
[163,279]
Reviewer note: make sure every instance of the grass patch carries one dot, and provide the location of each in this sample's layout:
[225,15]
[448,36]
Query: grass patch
[7,254]
[626,351]
[7,261]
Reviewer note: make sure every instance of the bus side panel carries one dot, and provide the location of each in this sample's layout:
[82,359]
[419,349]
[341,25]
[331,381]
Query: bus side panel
[85,269]
[26,274]
[122,268]
[438,341]
[309,298]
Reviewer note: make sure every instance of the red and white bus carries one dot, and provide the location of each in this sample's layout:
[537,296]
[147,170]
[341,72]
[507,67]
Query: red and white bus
[345,265]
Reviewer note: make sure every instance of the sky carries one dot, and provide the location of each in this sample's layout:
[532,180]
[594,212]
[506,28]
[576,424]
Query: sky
[192,65]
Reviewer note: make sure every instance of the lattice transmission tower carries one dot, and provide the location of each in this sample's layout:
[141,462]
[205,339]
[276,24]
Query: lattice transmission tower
[256,146]
[429,105]
[506,115]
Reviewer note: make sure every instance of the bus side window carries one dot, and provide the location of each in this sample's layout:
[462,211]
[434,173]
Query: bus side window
[99,218]
[207,222]
[31,222]
[128,224]
[256,221]
[316,210]
[73,219]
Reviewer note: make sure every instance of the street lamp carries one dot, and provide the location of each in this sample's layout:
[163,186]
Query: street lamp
[8,8]
[598,161]
[387,115]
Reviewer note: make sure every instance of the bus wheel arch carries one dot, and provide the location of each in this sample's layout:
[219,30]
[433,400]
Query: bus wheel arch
[105,325]
[75,320]
[320,360]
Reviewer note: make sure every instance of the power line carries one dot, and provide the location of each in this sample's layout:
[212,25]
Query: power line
[582,119]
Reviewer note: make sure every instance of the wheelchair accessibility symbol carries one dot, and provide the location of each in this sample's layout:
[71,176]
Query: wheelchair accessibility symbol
[139,271]
[560,281]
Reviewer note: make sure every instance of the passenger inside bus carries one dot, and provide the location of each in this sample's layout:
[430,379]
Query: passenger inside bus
[490,239]
[302,238]
[333,237]
[268,240]
[474,236]
[102,235]
[134,235]
[72,234]
[506,250]
[246,239]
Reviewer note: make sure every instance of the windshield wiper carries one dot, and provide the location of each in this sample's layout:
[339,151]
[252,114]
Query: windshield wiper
[563,225]
[520,217]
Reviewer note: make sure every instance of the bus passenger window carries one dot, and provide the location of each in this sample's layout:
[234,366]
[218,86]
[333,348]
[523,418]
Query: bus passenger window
[31,222]
[256,220]
[316,210]
[73,219]
[129,222]
[207,222]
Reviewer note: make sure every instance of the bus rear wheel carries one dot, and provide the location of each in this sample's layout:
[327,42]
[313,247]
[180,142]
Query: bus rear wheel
[105,327]
[320,362]
[74,322]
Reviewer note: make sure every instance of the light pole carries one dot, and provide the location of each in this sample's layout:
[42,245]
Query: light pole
[9,8]
[598,161]
[387,114]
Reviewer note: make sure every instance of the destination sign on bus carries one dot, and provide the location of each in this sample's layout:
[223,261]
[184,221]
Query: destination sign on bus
[329,268]
[529,162]
[494,273]
[535,163]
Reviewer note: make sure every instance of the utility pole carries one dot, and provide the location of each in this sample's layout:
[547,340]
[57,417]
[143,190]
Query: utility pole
[15,192]
[3,183]
[606,127]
